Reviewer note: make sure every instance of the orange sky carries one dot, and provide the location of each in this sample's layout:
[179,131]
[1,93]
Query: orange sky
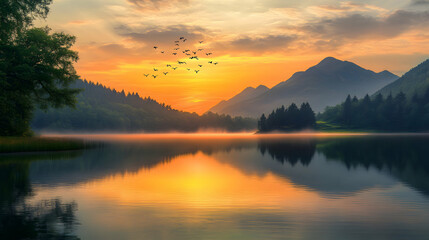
[255,42]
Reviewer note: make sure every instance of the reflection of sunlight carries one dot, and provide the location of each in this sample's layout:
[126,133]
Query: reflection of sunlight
[198,181]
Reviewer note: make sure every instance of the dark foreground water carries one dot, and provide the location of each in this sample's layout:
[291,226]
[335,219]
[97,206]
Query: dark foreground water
[220,187]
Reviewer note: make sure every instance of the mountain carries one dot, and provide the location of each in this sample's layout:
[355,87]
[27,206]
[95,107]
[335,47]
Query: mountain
[414,81]
[244,95]
[100,108]
[325,84]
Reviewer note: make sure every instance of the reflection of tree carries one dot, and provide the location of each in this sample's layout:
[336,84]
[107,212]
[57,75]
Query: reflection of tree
[291,151]
[48,219]
[404,157]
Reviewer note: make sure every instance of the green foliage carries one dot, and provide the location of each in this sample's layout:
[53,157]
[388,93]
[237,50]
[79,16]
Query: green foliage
[290,119]
[17,15]
[36,66]
[414,81]
[397,113]
[103,109]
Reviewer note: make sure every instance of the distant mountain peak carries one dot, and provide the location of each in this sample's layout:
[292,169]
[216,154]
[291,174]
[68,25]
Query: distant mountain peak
[330,60]
[325,84]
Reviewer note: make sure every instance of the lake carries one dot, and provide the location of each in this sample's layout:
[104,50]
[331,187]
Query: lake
[221,186]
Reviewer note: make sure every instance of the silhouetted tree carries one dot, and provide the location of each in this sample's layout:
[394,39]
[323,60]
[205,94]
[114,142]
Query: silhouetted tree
[292,118]
[262,123]
[36,66]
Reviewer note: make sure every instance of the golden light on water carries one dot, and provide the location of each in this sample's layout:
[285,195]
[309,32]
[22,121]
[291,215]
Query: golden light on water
[199,181]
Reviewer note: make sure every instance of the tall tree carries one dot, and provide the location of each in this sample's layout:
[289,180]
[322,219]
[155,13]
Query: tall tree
[36,66]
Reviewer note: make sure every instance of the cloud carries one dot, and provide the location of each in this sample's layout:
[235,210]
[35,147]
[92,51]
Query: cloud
[349,7]
[420,2]
[358,26]
[162,35]
[265,43]
[157,4]
[259,44]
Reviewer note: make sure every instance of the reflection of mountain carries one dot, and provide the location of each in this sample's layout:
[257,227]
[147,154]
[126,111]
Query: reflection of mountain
[291,163]
[305,162]
[403,157]
[123,157]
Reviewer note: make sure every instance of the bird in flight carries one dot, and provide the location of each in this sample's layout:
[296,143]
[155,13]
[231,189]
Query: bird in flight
[188,69]
[194,57]
[155,47]
[174,68]
[196,71]
[162,51]
[179,62]
[146,75]
[165,73]
[210,62]
[181,38]
[194,52]
[201,42]
[184,40]
[176,49]
[200,49]
[155,69]
[154,76]
[208,54]
[174,53]
[177,44]
[168,65]
[216,63]
[176,41]
[200,65]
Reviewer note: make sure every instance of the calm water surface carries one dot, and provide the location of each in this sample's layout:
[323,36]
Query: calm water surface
[221,187]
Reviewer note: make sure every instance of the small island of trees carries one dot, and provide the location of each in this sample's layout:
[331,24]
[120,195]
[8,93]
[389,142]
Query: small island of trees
[288,119]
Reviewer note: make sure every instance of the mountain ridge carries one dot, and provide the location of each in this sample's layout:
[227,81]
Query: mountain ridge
[413,81]
[324,84]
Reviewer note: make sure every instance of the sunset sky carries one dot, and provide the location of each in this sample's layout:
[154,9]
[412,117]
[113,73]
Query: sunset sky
[255,42]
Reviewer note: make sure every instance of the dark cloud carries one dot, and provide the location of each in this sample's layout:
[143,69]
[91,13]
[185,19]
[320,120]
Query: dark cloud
[357,26]
[157,4]
[258,44]
[162,35]
[420,2]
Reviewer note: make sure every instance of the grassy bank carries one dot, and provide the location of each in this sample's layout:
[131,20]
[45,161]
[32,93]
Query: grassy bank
[39,144]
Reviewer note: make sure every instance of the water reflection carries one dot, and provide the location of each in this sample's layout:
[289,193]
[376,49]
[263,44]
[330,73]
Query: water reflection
[289,150]
[221,188]
[19,219]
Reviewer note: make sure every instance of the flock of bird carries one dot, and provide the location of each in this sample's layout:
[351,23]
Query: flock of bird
[182,53]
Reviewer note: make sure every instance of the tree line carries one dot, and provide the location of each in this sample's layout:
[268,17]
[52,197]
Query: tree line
[391,113]
[288,119]
[100,108]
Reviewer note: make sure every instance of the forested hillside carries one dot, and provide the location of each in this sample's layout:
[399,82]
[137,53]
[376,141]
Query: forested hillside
[100,108]
[414,81]
[394,113]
